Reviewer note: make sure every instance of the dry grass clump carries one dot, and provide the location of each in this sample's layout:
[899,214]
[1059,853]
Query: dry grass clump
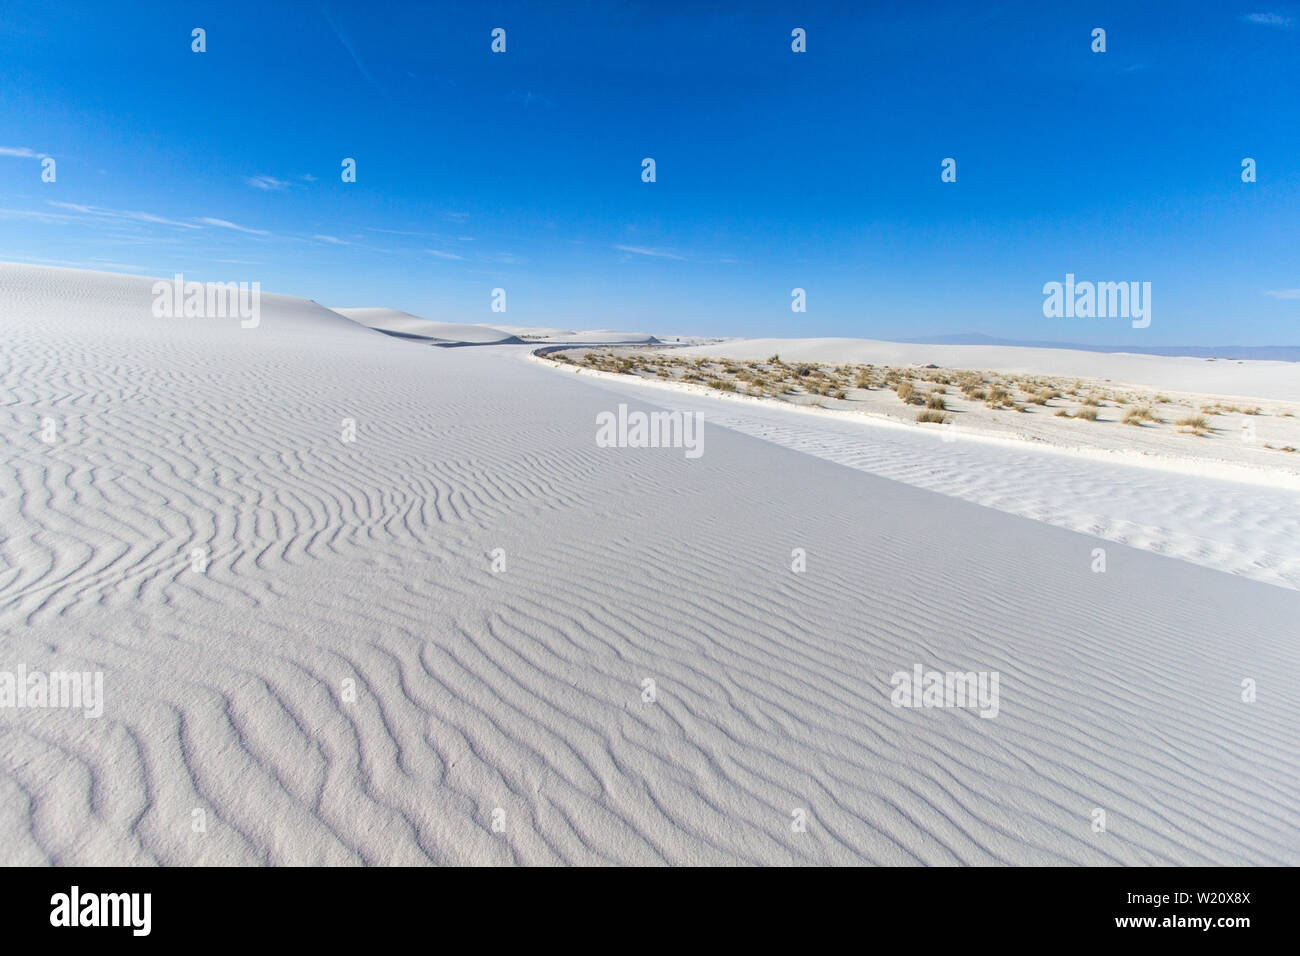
[1087,412]
[935,400]
[722,384]
[1136,416]
[999,397]
[931,415]
[1196,424]
[1220,409]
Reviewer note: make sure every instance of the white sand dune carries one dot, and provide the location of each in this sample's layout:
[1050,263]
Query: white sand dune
[441,333]
[584,337]
[1226,377]
[1217,514]
[521,691]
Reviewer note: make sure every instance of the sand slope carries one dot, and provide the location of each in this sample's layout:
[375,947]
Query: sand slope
[1216,513]
[369,561]
[440,333]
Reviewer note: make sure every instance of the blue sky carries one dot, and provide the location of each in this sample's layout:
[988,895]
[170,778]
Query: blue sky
[775,170]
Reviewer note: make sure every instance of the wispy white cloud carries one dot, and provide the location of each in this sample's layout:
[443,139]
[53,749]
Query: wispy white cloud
[227,224]
[119,214]
[1270,20]
[1283,293]
[396,232]
[38,215]
[655,253]
[443,255]
[22,152]
[333,239]
[266,182]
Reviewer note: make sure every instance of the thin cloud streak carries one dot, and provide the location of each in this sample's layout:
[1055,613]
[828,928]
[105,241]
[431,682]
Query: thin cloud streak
[227,224]
[654,253]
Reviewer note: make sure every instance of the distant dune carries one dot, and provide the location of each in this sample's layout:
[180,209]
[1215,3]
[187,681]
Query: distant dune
[440,333]
[1264,353]
[584,337]
[1231,378]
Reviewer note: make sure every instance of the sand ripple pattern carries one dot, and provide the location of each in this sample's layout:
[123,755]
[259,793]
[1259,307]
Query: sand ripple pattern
[366,566]
[1251,530]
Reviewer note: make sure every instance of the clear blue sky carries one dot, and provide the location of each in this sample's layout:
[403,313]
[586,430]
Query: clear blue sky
[775,170]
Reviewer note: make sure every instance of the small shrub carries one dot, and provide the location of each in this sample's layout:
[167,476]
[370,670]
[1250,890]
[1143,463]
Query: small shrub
[931,415]
[998,396]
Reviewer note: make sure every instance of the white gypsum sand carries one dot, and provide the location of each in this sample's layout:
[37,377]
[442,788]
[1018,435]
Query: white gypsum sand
[1227,377]
[1222,503]
[225,690]
[1255,440]
[399,323]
